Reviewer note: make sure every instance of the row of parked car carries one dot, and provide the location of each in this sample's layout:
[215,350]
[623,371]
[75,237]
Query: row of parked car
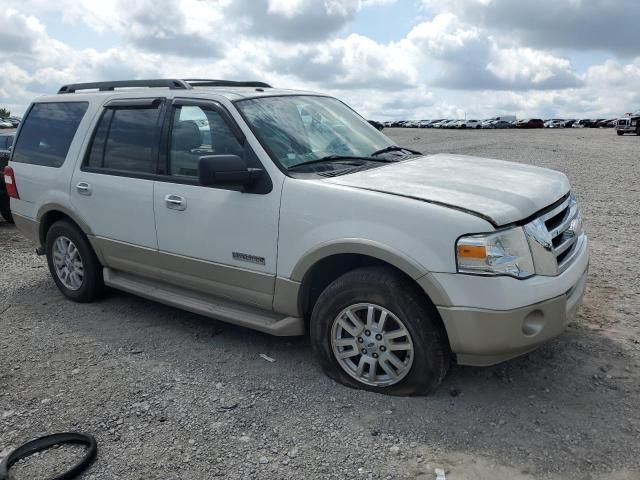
[508,121]
[9,122]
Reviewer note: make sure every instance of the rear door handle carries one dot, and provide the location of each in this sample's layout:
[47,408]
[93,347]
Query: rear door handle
[83,188]
[175,202]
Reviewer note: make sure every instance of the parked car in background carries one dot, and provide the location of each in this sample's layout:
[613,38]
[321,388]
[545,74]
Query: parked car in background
[469,124]
[606,123]
[584,123]
[555,123]
[6,143]
[569,123]
[499,124]
[378,125]
[395,262]
[433,122]
[6,123]
[630,123]
[530,123]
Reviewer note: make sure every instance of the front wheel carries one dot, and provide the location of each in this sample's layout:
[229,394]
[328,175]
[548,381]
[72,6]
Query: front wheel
[371,329]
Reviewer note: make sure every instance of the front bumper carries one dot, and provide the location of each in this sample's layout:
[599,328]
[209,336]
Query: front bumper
[492,319]
[627,128]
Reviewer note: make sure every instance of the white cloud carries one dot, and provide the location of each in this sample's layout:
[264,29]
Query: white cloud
[446,65]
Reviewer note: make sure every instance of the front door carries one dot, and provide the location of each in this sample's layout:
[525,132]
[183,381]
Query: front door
[219,241]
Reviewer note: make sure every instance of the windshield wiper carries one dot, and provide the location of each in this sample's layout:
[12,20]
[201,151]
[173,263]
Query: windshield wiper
[395,148]
[337,158]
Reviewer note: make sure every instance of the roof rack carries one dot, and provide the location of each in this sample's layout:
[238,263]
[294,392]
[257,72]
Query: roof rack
[172,83]
[210,82]
[109,86]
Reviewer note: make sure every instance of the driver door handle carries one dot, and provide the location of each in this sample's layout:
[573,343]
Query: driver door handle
[175,202]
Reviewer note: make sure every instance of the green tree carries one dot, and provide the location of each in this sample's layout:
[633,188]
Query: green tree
[4,113]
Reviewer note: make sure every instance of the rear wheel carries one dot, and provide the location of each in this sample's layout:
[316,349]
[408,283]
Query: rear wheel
[372,330]
[72,263]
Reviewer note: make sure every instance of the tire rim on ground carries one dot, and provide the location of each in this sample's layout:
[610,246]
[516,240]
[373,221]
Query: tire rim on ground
[372,344]
[68,263]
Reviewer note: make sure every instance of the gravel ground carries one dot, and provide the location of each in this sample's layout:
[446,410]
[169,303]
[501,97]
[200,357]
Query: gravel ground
[173,395]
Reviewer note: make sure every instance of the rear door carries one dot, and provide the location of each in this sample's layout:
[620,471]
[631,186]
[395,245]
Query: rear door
[113,189]
[220,241]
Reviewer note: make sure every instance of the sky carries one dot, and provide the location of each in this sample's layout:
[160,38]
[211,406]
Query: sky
[389,59]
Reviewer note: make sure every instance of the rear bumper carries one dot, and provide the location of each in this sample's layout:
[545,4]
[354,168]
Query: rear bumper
[494,319]
[28,227]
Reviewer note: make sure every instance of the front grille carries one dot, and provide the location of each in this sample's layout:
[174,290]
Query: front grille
[555,237]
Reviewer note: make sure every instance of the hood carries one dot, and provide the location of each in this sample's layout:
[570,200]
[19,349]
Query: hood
[498,191]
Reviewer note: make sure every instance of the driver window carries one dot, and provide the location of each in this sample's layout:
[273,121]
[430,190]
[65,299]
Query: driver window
[197,132]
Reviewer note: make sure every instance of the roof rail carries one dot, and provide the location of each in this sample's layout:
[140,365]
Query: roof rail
[210,82]
[109,86]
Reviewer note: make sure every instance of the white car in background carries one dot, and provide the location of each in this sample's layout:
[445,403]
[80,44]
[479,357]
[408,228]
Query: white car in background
[469,124]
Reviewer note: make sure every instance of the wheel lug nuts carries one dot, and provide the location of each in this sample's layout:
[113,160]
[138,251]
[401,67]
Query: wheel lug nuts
[378,337]
[360,339]
[364,351]
[375,355]
[367,333]
[382,348]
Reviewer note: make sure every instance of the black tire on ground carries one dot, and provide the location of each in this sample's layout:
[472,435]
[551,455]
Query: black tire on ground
[92,286]
[389,289]
[620,133]
[5,211]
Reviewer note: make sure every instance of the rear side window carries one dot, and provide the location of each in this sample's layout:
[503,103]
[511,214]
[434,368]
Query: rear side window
[126,139]
[47,132]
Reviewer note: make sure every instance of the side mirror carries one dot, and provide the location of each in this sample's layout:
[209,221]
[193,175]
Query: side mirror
[228,170]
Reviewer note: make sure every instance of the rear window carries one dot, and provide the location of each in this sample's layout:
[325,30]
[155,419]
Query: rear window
[47,132]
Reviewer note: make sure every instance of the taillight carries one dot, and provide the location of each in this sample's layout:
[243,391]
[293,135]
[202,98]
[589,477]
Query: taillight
[10,182]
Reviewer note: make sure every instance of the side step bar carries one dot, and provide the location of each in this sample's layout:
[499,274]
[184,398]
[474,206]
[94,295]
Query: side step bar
[212,307]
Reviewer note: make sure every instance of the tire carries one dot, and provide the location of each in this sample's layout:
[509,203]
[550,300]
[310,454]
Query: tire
[620,133]
[91,284]
[382,289]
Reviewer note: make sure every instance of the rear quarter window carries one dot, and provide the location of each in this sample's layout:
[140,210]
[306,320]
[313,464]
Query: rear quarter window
[47,132]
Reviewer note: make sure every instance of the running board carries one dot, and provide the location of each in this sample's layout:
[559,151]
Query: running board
[208,306]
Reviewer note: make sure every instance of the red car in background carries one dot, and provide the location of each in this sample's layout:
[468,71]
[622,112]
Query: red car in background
[530,123]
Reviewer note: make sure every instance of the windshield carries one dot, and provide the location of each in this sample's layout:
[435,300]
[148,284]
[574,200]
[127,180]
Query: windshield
[301,128]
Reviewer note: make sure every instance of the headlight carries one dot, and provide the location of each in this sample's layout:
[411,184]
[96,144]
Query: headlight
[500,253]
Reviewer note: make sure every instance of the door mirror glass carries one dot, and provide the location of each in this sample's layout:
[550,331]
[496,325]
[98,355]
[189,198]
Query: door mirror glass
[229,170]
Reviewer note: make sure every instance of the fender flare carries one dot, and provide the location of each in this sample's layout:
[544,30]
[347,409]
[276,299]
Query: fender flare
[357,246]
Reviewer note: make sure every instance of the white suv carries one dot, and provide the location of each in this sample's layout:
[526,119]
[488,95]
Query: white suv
[286,212]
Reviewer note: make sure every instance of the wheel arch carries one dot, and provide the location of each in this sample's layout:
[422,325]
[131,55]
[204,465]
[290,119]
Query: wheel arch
[51,213]
[317,269]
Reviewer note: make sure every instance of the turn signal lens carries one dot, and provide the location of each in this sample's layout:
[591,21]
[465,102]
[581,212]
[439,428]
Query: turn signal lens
[471,251]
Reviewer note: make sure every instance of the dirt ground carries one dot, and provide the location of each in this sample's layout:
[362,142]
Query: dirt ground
[169,394]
